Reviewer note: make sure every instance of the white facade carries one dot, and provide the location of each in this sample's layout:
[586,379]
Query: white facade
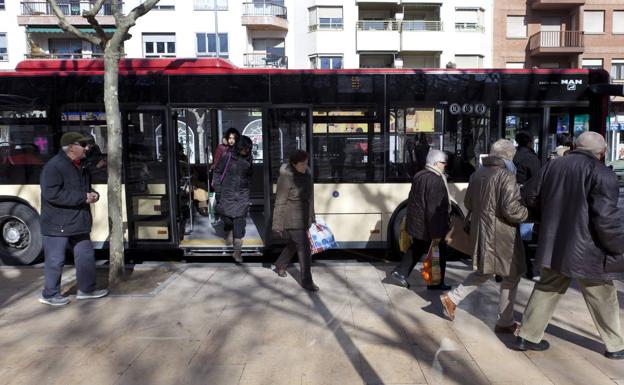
[321,33]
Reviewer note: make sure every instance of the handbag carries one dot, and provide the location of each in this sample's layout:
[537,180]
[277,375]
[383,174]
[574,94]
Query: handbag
[431,271]
[614,263]
[405,241]
[321,237]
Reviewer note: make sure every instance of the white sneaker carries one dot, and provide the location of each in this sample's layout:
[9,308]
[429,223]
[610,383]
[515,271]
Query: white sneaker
[94,294]
[58,300]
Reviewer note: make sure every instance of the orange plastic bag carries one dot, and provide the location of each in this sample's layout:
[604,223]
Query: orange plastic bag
[431,264]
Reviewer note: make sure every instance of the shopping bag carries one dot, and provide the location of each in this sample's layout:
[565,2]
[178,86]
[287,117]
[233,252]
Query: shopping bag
[320,236]
[430,271]
[457,238]
[405,241]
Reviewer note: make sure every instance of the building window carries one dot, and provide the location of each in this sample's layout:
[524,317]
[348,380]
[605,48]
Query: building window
[592,64]
[469,19]
[323,18]
[514,65]
[468,61]
[159,45]
[593,21]
[618,21]
[617,69]
[207,44]
[211,5]
[319,62]
[165,5]
[516,27]
[4,56]
[267,53]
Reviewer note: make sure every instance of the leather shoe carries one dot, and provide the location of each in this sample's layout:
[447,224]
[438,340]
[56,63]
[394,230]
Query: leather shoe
[399,278]
[310,287]
[523,345]
[448,306]
[619,355]
[510,329]
[439,286]
[280,272]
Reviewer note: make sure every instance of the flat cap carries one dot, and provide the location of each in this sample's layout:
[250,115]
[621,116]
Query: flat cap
[73,137]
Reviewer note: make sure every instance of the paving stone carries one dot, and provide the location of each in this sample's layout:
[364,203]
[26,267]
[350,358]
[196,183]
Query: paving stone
[571,371]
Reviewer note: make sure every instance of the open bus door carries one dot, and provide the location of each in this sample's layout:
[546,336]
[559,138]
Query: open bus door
[288,129]
[148,183]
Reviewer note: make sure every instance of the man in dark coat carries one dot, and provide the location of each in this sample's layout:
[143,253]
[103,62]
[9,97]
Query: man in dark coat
[527,166]
[427,217]
[577,196]
[66,196]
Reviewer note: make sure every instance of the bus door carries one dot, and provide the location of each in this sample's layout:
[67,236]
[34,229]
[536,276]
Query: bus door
[530,120]
[287,129]
[147,170]
[199,132]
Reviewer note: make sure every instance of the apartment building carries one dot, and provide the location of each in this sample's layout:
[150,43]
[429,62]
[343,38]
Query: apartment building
[277,33]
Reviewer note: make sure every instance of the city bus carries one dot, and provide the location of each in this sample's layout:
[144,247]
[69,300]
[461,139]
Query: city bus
[364,129]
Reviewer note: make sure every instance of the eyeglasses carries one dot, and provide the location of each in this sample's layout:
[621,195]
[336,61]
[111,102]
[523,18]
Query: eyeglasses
[83,145]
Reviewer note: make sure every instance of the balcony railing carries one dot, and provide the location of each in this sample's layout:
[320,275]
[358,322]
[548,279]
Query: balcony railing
[264,9]
[211,5]
[469,27]
[64,56]
[264,60]
[396,25]
[557,40]
[421,25]
[332,25]
[73,8]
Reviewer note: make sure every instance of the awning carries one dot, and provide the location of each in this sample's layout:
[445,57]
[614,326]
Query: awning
[59,30]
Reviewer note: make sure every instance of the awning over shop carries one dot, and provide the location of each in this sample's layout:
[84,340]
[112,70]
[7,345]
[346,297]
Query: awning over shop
[59,30]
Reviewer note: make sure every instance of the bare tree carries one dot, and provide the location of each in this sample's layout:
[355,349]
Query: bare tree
[112,45]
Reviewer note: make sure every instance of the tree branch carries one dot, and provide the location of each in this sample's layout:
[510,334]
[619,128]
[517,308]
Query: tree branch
[94,9]
[67,27]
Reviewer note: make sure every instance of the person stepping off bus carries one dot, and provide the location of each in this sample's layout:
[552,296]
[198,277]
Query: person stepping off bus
[496,210]
[294,214]
[428,210]
[234,170]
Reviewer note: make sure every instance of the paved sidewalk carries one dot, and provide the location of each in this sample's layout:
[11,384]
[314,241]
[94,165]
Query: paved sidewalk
[226,324]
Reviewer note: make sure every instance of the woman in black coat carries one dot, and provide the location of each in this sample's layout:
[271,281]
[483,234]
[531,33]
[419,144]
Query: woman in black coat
[234,170]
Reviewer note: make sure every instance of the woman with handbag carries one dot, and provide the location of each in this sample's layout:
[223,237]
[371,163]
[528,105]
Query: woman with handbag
[294,214]
[234,175]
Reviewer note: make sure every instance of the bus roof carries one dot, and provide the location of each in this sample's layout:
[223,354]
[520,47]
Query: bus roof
[207,66]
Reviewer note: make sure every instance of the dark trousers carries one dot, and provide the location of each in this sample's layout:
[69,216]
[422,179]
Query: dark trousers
[297,243]
[415,253]
[84,260]
[236,225]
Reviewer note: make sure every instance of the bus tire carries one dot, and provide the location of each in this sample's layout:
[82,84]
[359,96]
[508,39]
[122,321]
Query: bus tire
[21,241]
[396,233]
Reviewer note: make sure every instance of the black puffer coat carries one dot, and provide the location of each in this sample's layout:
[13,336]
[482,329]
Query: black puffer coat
[64,207]
[577,196]
[236,172]
[427,207]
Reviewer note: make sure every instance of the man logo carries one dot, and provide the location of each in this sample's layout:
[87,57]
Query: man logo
[571,83]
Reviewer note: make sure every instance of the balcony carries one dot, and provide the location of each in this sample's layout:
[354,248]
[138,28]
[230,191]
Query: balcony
[551,43]
[40,13]
[265,16]
[378,35]
[265,60]
[469,27]
[556,4]
[420,25]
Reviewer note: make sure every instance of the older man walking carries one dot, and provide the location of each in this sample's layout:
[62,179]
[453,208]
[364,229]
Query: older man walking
[66,196]
[493,199]
[580,223]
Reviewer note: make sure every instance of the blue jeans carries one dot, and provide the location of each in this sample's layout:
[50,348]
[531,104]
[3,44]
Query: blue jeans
[84,259]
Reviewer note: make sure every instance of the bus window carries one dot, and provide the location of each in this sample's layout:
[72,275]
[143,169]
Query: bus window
[412,132]
[93,124]
[348,146]
[26,143]
[465,139]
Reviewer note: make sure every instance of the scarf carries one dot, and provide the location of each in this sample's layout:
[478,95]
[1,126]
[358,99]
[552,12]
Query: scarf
[443,176]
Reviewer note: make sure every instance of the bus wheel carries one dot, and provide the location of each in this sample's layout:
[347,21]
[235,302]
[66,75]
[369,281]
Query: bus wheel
[396,233]
[20,234]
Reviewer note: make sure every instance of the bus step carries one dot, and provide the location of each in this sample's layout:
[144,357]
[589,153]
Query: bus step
[224,252]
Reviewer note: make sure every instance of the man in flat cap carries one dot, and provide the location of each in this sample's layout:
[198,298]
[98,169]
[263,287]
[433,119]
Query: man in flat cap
[66,196]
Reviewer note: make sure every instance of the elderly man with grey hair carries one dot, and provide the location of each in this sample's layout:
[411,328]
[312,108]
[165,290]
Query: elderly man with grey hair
[581,224]
[495,210]
[427,217]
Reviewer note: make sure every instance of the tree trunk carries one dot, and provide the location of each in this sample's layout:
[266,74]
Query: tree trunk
[113,120]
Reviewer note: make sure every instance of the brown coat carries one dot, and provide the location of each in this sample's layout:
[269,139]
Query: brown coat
[493,199]
[294,200]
